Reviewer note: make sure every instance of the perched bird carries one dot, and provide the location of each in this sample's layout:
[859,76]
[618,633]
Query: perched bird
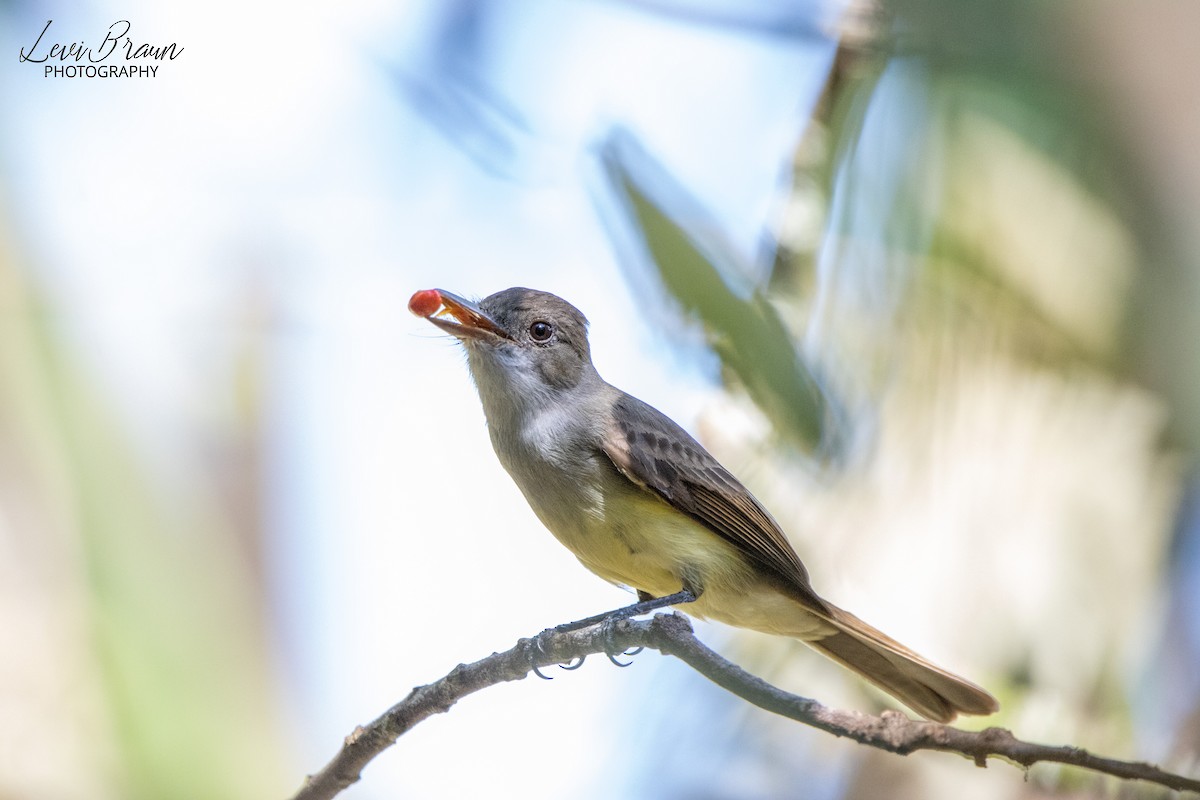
[642,504]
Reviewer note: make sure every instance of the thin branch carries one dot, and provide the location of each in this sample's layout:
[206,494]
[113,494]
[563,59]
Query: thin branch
[671,634]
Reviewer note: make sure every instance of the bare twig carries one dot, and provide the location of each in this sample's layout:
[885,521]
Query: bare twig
[671,634]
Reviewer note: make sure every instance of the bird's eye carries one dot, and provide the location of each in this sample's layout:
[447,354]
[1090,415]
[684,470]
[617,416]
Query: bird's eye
[541,331]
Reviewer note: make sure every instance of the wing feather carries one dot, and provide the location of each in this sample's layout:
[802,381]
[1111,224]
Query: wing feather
[649,449]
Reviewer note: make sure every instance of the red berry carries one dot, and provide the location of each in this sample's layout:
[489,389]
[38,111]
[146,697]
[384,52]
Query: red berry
[425,303]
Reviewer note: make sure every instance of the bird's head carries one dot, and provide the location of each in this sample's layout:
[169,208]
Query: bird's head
[518,340]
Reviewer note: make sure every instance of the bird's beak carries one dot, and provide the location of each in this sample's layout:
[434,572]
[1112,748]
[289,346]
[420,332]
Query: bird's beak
[464,319]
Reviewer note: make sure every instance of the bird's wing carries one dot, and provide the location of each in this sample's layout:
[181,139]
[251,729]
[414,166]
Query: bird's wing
[656,454]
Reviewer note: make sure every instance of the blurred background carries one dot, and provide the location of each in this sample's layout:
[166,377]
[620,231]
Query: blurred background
[924,274]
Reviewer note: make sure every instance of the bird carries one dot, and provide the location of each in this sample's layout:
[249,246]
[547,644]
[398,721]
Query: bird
[644,505]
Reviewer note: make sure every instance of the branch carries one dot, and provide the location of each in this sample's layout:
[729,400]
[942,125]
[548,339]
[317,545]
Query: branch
[671,634]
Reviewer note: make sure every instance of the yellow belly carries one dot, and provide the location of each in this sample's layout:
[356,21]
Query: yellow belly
[650,546]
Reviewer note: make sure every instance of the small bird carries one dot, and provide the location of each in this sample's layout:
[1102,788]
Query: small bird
[643,505]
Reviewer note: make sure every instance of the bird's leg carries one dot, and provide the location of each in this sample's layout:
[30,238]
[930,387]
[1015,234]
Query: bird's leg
[635,610]
[646,603]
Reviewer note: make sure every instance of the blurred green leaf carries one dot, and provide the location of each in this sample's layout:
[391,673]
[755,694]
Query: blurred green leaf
[740,323]
[171,607]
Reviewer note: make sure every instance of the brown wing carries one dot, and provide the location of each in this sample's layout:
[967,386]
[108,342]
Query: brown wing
[656,454]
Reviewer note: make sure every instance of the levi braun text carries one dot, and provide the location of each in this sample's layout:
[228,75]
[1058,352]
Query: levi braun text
[116,43]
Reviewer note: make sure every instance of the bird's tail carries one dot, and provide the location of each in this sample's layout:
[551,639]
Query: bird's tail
[922,686]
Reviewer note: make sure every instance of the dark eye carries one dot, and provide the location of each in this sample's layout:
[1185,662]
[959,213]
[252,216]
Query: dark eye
[541,331]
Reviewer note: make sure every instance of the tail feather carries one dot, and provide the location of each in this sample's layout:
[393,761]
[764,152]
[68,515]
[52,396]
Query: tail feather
[910,678]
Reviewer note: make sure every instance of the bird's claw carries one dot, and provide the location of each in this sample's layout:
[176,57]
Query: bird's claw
[609,627]
[618,662]
[536,650]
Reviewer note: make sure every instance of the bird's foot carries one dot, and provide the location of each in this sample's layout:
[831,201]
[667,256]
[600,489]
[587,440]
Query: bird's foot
[608,630]
[635,610]
[608,621]
[537,653]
